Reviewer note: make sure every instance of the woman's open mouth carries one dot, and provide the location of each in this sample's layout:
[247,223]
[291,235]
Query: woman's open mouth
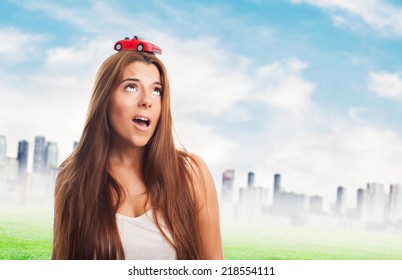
[142,123]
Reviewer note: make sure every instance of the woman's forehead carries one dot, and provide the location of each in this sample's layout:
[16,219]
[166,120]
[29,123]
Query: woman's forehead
[142,70]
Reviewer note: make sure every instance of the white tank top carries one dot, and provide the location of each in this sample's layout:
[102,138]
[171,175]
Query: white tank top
[142,240]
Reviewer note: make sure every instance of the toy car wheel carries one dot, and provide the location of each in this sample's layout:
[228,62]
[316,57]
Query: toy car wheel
[140,48]
[118,47]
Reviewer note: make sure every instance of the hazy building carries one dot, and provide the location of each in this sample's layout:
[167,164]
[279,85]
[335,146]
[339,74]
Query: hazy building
[340,206]
[228,185]
[375,203]
[250,179]
[287,203]
[316,203]
[395,203]
[11,169]
[291,204]
[255,197]
[3,149]
[22,157]
[52,159]
[39,155]
[52,155]
[252,201]
[360,202]
[277,184]
[3,156]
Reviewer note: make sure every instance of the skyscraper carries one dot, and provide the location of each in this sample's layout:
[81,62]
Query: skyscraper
[51,160]
[340,200]
[52,156]
[228,185]
[395,203]
[376,202]
[316,203]
[3,156]
[277,184]
[22,157]
[11,169]
[3,149]
[252,200]
[39,155]
[360,202]
[250,179]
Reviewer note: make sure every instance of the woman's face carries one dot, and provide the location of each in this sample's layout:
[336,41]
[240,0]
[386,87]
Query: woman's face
[135,105]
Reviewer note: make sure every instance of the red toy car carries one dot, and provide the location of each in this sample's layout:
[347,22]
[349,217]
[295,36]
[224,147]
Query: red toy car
[138,44]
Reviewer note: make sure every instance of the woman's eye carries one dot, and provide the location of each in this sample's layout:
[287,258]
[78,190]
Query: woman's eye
[157,91]
[131,88]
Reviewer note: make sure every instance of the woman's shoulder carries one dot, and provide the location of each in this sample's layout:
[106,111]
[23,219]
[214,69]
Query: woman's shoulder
[208,209]
[201,177]
[196,164]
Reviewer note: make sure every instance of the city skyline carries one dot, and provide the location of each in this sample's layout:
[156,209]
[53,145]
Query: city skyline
[42,158]
[26,160]
[374,208]
[340,202]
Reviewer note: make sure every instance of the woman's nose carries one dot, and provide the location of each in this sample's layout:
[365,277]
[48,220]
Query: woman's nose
[145,101]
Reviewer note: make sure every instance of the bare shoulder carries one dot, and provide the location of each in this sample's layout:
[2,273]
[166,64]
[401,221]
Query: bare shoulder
[207,200]
[202,178]
[196,162]
[199,165]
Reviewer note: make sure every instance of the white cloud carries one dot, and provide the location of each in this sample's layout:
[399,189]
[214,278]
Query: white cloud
[282,86]
[385,84]
[206,141]
[379,15]
[359,114]
[17,45]
[204,78]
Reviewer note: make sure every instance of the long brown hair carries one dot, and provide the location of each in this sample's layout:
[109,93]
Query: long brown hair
[87,196]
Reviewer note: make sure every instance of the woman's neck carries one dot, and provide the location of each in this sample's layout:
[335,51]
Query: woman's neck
[127,157]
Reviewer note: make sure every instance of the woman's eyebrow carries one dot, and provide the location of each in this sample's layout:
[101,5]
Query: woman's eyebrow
[138,80]
[131,79]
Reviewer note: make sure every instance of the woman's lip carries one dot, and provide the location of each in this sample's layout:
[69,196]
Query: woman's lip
[140,127]
[143,117]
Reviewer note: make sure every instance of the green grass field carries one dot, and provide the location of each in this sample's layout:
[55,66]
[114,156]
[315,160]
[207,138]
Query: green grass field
[26,233]
[244,241]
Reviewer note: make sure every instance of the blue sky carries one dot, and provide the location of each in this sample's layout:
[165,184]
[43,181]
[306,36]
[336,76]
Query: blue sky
[311,89]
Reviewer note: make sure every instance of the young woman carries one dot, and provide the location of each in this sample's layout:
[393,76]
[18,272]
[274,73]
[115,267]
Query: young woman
[126,192]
